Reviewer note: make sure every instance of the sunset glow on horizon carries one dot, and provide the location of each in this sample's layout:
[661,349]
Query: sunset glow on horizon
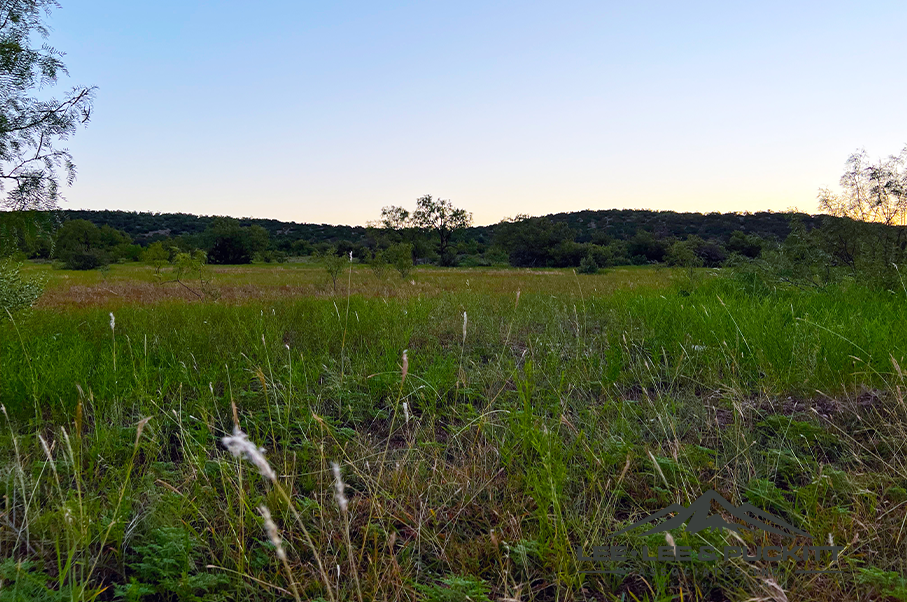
[324,114]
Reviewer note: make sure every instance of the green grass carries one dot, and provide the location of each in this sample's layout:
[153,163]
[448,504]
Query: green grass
[565,414]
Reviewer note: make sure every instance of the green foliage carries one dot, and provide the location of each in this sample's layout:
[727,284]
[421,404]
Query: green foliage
[588,265]
[25,582]
[333,264]
[435,218]
[274,257]
[400,256]
[645,245]
[165,567]
[31,124]
[156,255]
[83,246]
[440,217]
[531,241]
[378,265]
[26,232]
[747,245]
[455,589]
[17,292]
[228,242]
[683,254]
[886,583]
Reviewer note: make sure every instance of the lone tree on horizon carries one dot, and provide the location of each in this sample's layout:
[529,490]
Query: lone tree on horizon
[435,216]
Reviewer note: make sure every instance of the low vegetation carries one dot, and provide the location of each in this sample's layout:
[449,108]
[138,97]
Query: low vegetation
[484,424]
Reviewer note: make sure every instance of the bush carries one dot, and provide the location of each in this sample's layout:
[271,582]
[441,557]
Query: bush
[378,266]
[86,260]
[17,293]
[588,265]
[333,264]
[400,256]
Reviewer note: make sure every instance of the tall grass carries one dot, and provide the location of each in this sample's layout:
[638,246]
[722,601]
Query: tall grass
[516,427]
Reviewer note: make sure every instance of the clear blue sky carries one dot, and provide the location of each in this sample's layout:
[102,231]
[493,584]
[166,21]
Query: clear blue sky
[325,112]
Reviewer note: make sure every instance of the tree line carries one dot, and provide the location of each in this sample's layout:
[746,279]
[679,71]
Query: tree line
[90,239]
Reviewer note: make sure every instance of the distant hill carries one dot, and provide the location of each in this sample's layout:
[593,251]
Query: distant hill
[148,226]
[619,224]
[622,224]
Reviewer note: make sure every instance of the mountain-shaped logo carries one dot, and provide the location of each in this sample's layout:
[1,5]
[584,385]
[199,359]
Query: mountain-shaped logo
[700,517]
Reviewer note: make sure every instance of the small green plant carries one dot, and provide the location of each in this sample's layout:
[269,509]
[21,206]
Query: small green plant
[888,583]
[333,264]
[455,589]
[165,567]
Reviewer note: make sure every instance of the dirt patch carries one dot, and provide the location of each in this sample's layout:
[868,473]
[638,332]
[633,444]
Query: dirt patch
[824,406]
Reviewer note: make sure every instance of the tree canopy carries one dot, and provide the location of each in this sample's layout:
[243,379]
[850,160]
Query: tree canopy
[31,124]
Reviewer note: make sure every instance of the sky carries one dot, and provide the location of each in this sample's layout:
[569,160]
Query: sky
[325,112]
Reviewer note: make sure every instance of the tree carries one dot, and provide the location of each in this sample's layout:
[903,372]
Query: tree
[156,255]
[438,217]
[31,126]
[229,243]
[83,246]
[333,264]
[683,254]
[394,218]
[645,245]
[441,217]
[747,245]
[872,192]
[400,256]
[864,230]
[531,241]
[588,265]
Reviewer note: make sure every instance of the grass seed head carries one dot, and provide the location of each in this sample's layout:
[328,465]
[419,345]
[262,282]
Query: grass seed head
[405,367]
[240,446]
[273,535]
[339,488]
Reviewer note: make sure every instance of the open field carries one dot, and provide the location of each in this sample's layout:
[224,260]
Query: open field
[131,283]
[540,412]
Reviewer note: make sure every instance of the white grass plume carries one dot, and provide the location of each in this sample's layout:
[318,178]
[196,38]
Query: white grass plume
[339,488]
[240,446]
[273,535]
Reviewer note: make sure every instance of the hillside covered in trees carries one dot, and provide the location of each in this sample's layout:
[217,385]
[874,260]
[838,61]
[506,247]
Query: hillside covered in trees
[803,247]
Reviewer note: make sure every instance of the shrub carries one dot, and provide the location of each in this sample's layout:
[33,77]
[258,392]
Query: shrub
[86,260]
[400,256]
[17,293]
[588,265]
[378,266]
[333,264]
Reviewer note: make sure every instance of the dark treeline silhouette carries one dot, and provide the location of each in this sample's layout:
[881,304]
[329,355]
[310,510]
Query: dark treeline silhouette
[799,249]
[588,226]
[611,237]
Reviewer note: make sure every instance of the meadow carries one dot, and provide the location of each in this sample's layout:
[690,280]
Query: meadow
[455,435]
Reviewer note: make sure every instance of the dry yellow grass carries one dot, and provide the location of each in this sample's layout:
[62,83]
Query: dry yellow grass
[137,284]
